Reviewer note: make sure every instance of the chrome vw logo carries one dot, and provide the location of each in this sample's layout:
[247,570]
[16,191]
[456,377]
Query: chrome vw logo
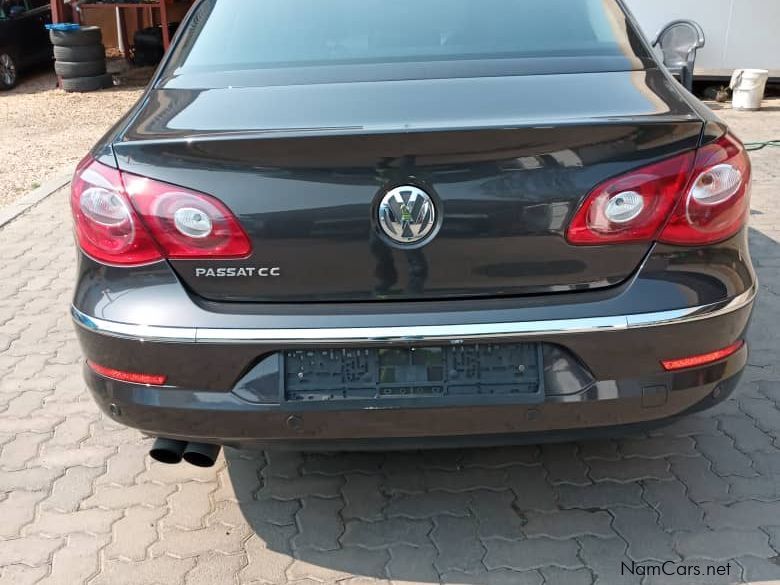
[407,214]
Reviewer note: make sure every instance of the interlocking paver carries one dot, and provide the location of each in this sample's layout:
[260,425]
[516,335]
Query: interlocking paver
[760,570]
[599,449]
[531,488]
[339,464]
[162,570]
[319,524]
[18,510]
[497,514]
[273,511]
[321,486]
[745,515]
[214,568]
[63,457]
[767,419]
[703,485]
[531,553]
[564,464]
[724,456]
[22,574]
[134,533]
[81,503]
[336,565]
[604,556]
[71,431]
[285,464]
[121,497]
[53,523]
[568,524]
[458,545]
[676,511]
[629,470]
[496,577]
[412,564]
[466,479]
[605,494]
[124,466]
[658,447]
[756,488]
[501,457]
[190,504]
[30,479]
[362,497]
[429,504]
[32,551]
[188,543]
[77,561]
[767,464]
[746,435]
[646,540]
[559,576]
[721,545]
[268,555]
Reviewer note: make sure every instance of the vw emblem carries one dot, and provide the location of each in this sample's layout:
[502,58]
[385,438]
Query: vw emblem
[407,215]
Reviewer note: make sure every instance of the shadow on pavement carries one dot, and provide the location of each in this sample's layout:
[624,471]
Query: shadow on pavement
[560,513]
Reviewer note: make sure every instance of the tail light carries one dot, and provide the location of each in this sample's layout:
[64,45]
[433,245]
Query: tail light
[691,199]
[107,226]
[125,219]
[717,203]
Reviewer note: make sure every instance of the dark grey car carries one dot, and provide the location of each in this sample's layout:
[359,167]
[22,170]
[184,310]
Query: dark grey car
[24,40]
[361,223]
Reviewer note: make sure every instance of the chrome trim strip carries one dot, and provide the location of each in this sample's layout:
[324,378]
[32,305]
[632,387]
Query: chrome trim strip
[129,331]
[426,333]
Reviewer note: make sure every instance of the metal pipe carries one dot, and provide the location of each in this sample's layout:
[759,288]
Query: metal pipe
[167,450]
[201,454]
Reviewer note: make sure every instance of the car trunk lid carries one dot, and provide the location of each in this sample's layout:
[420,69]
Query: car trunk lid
[507,160]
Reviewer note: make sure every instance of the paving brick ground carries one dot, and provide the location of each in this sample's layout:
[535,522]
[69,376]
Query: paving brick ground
[82,503]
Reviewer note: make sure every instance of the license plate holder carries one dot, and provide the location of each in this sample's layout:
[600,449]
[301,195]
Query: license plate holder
[492,372]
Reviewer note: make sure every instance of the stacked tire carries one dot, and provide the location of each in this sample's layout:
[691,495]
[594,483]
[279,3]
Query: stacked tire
[80,59]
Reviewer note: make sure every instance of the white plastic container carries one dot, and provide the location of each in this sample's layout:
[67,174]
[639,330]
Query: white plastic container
[748,86]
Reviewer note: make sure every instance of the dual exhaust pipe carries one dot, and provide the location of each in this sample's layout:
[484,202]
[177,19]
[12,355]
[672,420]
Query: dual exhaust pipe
[172,451]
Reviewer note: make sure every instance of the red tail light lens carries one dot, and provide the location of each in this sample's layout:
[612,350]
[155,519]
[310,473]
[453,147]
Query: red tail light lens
[124,219]
[633,207]
[187,224]
[107,227]
[692,199]
[717,203]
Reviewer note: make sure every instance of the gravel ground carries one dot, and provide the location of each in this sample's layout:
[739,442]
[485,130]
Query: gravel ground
[43,129]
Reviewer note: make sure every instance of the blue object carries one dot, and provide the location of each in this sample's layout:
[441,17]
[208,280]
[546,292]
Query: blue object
[63,26]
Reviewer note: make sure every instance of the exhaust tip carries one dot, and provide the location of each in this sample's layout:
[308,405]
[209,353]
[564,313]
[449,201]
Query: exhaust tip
[201,454]
[167,450]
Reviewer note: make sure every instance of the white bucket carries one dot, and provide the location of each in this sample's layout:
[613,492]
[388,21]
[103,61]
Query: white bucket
[749,86]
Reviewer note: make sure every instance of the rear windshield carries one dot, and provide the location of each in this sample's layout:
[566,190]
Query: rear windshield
[229,35]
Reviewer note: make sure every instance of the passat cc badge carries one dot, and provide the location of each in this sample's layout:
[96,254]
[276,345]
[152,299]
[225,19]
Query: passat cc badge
[407,215]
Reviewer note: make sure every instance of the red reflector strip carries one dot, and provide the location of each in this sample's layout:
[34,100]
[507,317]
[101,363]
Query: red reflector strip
[122,376]
[703,359]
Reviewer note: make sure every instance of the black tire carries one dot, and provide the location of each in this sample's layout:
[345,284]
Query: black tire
[9,70]
[70,69]
[81,84]
[79,54]
[86,35]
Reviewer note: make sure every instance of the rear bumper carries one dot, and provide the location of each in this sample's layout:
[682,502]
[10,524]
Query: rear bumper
[621,353]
